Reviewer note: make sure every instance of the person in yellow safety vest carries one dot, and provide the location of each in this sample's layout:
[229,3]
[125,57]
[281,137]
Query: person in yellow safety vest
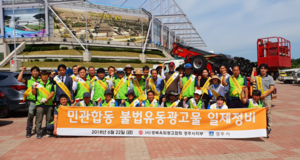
[189,84]
[196,102]
[235,82]
[128,70]
[44,92]
[220,104]
[81,84]
[265,84]
[146,70]
[138,85]
[172,100]
[255,102]
[110,78]
[91,76]
[28,97]
[99,86]
[131,101]
[151,101]
[63,102]
[215,89]
[86,102]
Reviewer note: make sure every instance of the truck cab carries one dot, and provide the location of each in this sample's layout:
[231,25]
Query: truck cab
[296,76]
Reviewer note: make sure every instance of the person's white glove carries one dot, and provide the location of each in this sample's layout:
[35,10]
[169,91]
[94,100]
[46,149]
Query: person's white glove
[34,85]
[43,100]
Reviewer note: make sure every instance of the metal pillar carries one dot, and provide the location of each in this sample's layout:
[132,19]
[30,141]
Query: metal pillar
[162,23]
[1,18]
[150,24]
[152,19]
[15,46]
[47,18]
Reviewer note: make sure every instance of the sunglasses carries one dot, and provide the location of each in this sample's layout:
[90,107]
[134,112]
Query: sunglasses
[120,72]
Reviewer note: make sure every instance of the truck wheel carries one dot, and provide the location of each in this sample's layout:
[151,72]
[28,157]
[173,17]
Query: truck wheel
[199,63]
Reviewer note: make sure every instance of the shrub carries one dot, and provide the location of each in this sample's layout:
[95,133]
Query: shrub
[70,60]
[36,60]
[55,60]
[64,48]
[109,60]
[153,62]
[48,60]
[31,60]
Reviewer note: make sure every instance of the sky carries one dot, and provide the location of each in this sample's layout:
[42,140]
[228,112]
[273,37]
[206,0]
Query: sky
[233,26]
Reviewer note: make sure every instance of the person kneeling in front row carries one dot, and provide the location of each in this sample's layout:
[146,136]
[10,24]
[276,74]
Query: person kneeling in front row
[63,101]
[132,100]
[195,103]
[255,102]
[108,101]
[219,104]
[86,102]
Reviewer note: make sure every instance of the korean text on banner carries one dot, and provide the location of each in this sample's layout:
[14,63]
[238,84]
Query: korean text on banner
[161,122]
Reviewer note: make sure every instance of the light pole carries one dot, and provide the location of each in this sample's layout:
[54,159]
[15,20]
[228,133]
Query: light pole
[15,58]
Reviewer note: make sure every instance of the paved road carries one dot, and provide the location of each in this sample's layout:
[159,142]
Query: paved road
[284,142]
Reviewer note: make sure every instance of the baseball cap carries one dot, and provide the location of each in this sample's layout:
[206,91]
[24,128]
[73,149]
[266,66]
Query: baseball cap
[188,66]
[100,70]
[130,92]
[172,64]
[199,92]
[108,91]
[86,94]
[120,70]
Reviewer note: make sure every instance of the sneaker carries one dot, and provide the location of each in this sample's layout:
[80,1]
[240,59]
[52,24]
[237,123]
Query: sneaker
[268,131]
[28,134]
[50,135]
[39,136]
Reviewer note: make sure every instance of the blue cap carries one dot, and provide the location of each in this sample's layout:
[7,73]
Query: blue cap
[188,66]
[120,70]
[86,95]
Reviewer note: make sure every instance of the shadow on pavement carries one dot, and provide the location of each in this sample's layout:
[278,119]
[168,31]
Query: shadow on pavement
[21,113]
[4,123]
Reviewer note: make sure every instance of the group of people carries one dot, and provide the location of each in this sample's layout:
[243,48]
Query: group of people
[140,88]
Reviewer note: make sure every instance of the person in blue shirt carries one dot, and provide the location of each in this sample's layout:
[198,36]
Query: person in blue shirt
[108,101]
[158,84]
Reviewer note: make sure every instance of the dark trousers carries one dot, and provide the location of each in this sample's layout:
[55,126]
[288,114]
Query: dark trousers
[181,102]
[31,114]
[50,128]
[235,103]
[205,100]
[39,117]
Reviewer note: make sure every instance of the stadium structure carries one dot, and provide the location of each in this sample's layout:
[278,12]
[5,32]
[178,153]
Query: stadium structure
[71,24]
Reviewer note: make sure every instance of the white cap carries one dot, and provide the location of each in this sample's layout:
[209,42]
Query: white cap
[198,92]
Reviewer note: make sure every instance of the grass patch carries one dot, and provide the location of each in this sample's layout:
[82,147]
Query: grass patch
[85,64]
[53,52]
[122,54]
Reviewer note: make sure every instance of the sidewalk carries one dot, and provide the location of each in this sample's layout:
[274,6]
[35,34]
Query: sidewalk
[284,142]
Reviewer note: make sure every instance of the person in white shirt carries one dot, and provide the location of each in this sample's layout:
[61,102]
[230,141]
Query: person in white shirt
[219,105]
[215,89]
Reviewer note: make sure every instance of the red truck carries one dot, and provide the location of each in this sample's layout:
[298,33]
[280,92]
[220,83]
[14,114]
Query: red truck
[275,52]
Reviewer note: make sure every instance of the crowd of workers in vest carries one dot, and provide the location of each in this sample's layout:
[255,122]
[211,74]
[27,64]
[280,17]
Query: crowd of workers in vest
[178,87]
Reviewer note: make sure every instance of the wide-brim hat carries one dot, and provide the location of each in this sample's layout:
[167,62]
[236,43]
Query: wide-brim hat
[180,67]
[214,77]
[173,93]
[130,92]
[128,66]
[138,72]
